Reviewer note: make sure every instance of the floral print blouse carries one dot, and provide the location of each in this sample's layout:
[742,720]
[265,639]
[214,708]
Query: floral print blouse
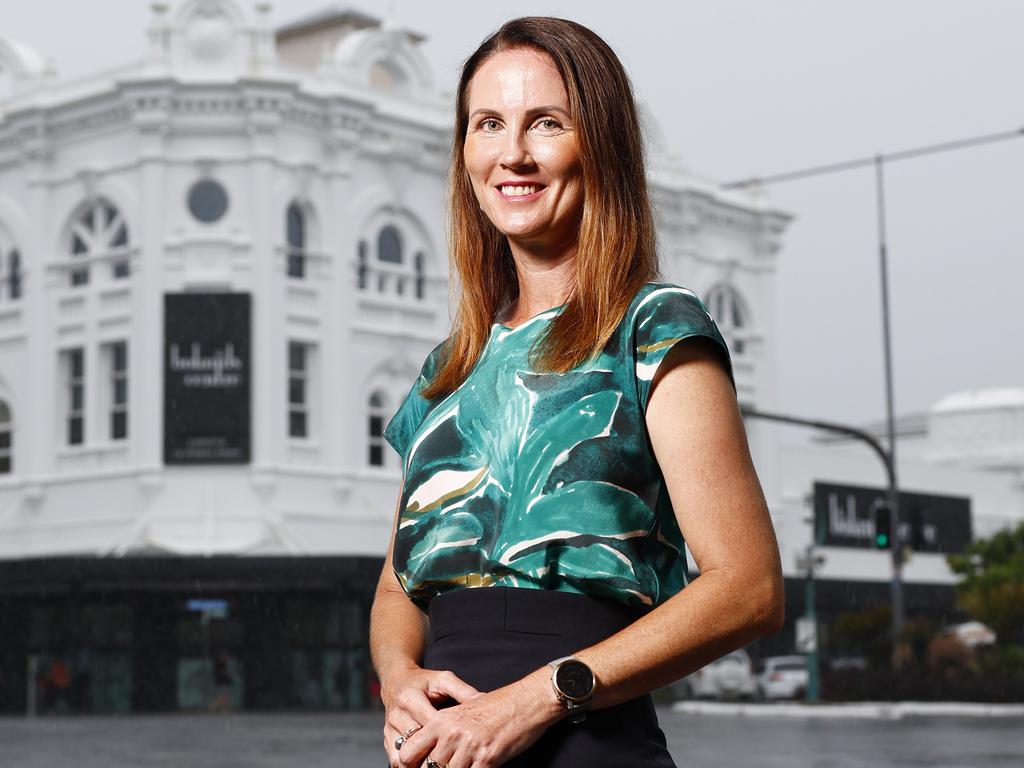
[546,480]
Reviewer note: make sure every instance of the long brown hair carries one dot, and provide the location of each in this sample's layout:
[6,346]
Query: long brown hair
[615,253]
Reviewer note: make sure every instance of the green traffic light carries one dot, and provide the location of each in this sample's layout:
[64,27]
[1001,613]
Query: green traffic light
[881,540]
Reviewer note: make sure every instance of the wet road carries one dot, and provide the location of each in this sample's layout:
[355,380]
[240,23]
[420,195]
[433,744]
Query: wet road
[353,741]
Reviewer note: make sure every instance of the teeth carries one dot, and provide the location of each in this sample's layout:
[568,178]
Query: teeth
[509,191]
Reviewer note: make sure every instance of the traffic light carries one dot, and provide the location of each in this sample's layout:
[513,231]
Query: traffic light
[883,527]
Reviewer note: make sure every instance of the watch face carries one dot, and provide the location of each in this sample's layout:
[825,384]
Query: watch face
[575,679]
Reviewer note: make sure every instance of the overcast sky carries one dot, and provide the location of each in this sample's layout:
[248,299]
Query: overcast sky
[756,87]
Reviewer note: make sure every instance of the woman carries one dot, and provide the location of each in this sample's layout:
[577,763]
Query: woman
[576,427]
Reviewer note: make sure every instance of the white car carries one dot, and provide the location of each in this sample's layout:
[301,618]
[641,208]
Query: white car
[730,677]
[783,677]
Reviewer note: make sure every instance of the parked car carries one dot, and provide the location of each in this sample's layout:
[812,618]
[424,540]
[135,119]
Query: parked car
[782,677]
[730,677]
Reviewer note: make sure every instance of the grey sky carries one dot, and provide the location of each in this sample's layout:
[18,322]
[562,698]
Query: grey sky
[754,88]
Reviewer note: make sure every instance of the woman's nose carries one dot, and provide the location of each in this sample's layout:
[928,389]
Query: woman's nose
[515,152]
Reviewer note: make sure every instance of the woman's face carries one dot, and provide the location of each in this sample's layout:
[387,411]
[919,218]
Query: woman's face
[521,151]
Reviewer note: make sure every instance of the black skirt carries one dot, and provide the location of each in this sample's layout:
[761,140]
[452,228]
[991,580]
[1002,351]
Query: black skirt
[493,636]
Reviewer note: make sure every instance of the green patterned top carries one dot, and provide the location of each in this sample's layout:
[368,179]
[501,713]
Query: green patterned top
[545,480]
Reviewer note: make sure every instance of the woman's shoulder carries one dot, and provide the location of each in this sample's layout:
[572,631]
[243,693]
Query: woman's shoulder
[665,298]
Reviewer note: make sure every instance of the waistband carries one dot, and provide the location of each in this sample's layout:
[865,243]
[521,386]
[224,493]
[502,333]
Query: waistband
[472,611]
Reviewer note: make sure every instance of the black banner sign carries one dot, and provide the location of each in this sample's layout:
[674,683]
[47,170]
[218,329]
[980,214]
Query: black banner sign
[207,366]
[844,516]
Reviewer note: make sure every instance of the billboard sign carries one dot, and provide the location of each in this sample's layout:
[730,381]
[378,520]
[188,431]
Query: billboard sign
[845,517]
[207,378]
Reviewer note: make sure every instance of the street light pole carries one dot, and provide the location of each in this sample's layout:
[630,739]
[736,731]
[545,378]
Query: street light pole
[888,456]
[892,494]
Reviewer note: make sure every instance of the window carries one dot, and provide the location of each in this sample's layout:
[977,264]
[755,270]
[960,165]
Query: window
[207,201]
[295,225]
[362,267]
[100,230]
[389,245]
[393,261]
[298,393]
[117,356]
[14,275]
[74,368]
[729,311]
[418,262]
[377,414]
[5,438]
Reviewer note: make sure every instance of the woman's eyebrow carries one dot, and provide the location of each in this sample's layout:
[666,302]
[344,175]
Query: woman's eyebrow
[532,111]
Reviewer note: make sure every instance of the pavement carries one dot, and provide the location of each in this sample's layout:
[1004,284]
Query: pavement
[706,740]
[876,710]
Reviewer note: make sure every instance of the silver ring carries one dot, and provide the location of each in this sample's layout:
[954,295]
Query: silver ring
[432,763]
[399,742]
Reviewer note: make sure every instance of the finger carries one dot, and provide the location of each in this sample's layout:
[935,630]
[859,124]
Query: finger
[412,706]
[450,684]
[417,748]
[402,724]
[395,740]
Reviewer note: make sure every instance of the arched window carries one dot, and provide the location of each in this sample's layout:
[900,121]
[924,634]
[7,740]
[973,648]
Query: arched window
[377,412]
[295,226]
[389,245]
[14,275]
[98,231]
[729,311]
[5,439]
[392,261]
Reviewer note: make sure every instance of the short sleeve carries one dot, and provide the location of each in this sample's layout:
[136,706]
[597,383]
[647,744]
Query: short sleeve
[411,411]
[663,317]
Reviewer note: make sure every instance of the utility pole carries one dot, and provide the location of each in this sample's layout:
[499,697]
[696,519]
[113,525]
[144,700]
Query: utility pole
[888,456]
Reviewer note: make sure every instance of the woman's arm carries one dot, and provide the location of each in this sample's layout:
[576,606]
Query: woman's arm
[699,441]
[398,629]
[698,438]
[398,632]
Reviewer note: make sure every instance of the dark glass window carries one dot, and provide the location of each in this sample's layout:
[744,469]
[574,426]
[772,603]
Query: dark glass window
[5,438]
[389,245]
[14,275]
[375,428]
[295,225]
[362,266]
[376,455]
[418,263]
[207,201]
[118,390]
[76,396]
[298,407]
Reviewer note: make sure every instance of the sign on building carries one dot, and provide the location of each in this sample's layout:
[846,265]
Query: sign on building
[207,380]
[845,516]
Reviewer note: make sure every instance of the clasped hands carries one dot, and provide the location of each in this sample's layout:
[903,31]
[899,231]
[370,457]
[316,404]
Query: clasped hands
[480,730]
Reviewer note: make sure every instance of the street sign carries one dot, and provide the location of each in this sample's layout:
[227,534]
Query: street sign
[847,516]
[806,635]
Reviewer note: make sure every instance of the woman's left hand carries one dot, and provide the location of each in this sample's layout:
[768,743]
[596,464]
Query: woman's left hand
[488,729]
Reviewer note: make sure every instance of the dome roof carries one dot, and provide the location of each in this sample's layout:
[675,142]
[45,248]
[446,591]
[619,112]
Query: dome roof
[981,399]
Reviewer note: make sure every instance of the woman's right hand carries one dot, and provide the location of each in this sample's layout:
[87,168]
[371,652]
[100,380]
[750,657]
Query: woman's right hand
[409,697]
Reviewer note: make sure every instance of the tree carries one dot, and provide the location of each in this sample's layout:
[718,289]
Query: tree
[992,589]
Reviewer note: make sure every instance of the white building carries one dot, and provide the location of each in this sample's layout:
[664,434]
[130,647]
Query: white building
[220,270]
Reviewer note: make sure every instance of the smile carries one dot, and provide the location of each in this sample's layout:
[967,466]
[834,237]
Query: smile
[520,191]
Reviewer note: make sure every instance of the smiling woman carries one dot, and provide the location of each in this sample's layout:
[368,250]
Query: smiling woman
[576,429]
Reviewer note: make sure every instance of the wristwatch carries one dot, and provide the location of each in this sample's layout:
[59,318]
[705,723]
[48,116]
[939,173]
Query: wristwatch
[573,682]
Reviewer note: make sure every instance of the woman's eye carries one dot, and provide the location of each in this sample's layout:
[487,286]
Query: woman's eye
[548,124]
[489,124]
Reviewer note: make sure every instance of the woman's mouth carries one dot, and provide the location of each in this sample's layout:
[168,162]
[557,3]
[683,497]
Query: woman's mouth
[520,191]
